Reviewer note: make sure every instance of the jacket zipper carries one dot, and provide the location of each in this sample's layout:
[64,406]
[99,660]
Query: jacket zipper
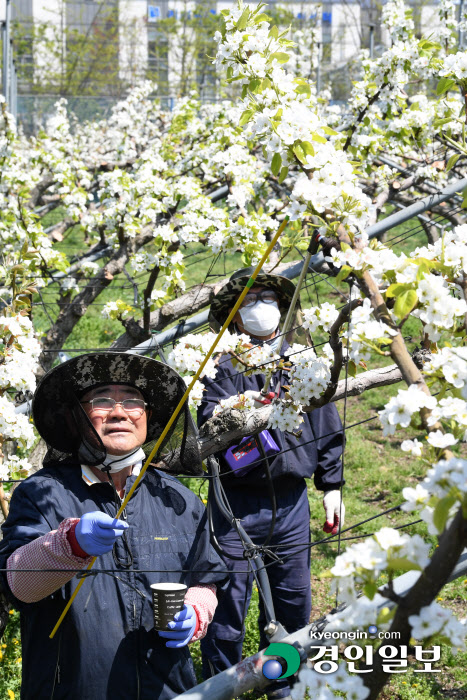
[138,683]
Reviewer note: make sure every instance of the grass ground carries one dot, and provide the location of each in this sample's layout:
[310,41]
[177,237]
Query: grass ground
[376,471]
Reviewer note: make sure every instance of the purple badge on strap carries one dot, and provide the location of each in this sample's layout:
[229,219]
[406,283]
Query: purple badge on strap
[244,457]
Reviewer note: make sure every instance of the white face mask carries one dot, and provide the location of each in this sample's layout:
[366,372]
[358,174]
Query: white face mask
[117,463]
[260,319]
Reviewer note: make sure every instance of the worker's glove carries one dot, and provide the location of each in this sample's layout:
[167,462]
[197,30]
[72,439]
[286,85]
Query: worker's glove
[334,511]
[97,532]
[181,629]
[259,398]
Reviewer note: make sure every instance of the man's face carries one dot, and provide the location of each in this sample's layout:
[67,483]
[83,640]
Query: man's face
[119,430]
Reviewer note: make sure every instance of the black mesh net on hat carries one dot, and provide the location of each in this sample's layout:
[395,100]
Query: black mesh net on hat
[68,432]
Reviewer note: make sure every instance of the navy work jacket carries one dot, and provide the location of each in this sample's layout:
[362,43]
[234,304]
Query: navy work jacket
[106,647]
[317,452]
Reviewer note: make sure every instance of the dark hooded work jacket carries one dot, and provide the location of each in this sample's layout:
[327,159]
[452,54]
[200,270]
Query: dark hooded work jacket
[316,452]
[106,647]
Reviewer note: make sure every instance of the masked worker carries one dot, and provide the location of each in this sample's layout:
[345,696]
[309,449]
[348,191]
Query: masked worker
[96,413]
[316,452]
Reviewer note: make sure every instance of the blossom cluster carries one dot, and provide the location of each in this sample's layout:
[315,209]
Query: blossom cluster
[439,495]
[400,409]
[362,563]
[20,354]
[241,402]
[322,687]
[281,113]
[117,309]
[435,621]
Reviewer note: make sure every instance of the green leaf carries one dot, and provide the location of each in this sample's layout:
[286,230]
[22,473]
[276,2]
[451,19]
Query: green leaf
[300,153]
[279,56]
[263,17]
[352,368]
[423,269]
[441,512]
[395,289]
[344,272]
[441,122]
[229,72]
[464,201]
[318,138]
[330,132]
[444,85]
[303,90]
[452,161]
[370,589]
[308,148]
[255,85]
[243,21]
[283,174]
[266,84]
[274,32]
[245,118]
[276,163]
[401,563]
[405,302]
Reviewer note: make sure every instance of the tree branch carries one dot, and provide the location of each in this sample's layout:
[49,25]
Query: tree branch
[37,192]
[231,425]
[451,544]
[336,344]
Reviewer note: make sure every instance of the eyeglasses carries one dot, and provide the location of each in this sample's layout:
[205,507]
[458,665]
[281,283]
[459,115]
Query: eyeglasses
[266,295]
[104,404]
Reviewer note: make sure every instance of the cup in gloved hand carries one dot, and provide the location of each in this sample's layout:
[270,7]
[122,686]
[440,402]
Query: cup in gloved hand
[181,629]
[168,599]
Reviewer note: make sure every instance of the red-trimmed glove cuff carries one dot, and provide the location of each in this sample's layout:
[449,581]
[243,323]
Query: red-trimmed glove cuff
[75,548]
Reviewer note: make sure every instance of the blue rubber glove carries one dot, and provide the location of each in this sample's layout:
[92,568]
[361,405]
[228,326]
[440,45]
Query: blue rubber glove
[97,532]
[182,629]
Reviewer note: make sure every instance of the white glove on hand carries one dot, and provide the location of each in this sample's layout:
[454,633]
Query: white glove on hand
[259,398]
[335,512]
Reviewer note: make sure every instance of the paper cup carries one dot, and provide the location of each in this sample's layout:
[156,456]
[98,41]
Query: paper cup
[168,599]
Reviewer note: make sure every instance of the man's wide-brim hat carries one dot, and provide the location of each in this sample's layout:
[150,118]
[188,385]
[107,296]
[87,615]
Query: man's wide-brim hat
[225,299]
[61,421]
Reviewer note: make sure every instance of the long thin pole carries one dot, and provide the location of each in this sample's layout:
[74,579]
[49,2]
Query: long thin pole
[6,54]
[318,69]
[174,416]
[461,28]
[312,249]
[13,86]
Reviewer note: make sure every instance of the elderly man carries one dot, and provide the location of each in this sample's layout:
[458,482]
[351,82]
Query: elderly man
[96,412]
[315,451]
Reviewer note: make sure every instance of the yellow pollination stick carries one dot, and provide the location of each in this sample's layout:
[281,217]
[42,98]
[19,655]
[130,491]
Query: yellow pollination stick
[174,416]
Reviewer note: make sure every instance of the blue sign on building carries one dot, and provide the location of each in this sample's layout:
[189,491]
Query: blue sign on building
[327,16]
[154,13]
